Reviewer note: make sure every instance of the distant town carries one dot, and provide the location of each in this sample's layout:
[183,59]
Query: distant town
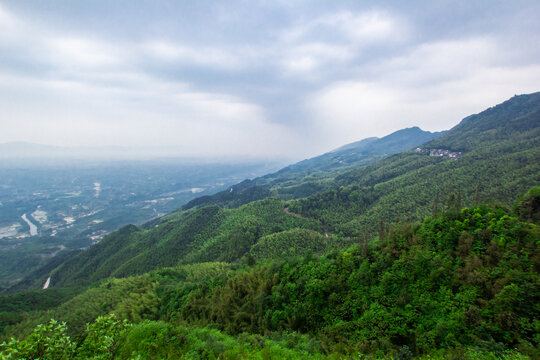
[453,155]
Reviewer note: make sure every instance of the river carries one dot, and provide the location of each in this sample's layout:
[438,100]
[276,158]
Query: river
[33,228]
[47,282]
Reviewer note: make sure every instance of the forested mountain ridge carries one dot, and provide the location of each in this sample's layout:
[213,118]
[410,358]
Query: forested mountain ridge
[207,234]
[500,151]
[462,284]
[144,250]
[408,185]
[502,129]
[351,155]
[313,175]
[515,119]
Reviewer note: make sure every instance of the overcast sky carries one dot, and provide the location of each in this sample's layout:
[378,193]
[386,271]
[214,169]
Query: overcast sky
[256,78]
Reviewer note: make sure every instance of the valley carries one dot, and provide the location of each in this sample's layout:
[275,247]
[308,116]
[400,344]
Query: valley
[49,210]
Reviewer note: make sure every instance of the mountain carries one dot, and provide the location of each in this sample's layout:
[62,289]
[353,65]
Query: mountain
[287,183]
[400,140]
[208,234]
[490,156]
[349,156]
[313,175]
[408,185]
[514,120]
[423,252]
[463,284]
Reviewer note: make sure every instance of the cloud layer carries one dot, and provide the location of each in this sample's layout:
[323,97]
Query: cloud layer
[255,79]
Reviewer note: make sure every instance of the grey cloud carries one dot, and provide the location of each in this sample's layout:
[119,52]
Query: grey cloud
[266,78]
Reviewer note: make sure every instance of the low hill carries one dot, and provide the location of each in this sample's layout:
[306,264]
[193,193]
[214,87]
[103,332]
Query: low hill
[207,234]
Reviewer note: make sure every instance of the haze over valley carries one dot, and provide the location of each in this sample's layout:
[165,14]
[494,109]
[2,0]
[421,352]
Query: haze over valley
[63,205]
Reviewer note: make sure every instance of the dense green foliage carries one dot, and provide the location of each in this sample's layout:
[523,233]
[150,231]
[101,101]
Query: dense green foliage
[455,280]
[13,306]
[207,234]
[528,208]
[461,280]
[290,243]
[51,341]
[237,195]
[499,164]
[313,175]
[108,338]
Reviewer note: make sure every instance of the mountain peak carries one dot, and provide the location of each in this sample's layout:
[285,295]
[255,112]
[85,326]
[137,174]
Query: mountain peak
[518,114]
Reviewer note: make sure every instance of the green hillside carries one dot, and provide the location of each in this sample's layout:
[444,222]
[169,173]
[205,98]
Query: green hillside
[431,252]
[316,174]
[462,284]
[347,157]
[406,186]
[215,234]
[499,147]
[207,234]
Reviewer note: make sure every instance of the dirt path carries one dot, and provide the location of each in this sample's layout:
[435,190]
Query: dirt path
[287,211]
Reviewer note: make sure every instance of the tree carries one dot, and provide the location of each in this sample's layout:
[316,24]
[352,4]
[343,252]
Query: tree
[49,341]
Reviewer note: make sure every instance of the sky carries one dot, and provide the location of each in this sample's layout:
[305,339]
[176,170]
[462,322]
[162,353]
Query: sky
[269,79]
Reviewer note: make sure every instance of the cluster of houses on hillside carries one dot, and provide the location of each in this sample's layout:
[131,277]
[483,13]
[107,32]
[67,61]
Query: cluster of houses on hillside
[453,155]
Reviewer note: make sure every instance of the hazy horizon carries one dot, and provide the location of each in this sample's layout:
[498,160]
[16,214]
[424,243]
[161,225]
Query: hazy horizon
[22,150]
[260,80]
[28,155]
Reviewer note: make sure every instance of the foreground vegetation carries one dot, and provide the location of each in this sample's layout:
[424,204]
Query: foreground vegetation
[109,338]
